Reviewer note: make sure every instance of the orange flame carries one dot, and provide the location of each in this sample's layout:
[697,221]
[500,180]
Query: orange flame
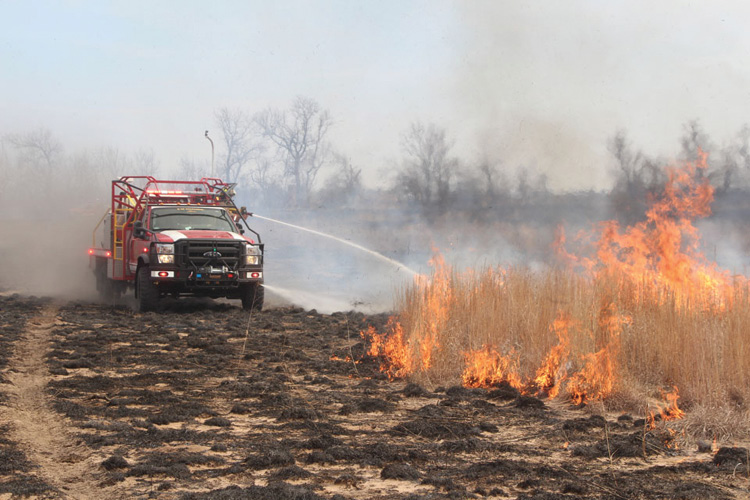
[486,367]
[655,261]
[672,411]
[437,296]
[668,412]
[597,379]
[401,354]
[550,375]
[347,359]
[396,356]
[661,255]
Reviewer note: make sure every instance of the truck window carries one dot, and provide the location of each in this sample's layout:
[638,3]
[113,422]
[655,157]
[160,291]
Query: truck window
[190,218]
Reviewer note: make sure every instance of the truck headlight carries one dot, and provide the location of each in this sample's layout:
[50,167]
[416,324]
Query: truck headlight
[164,253]
[252,255]
[165,248]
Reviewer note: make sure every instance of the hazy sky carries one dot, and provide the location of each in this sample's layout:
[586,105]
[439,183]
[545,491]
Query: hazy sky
[541,84]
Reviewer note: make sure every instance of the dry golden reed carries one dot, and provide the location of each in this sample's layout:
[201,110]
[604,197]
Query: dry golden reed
[636,316]
[605,338]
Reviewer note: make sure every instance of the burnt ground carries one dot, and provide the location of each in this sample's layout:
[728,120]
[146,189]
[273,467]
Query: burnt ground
[205,401]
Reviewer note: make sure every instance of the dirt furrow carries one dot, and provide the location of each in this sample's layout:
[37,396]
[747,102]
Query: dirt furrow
[64,461]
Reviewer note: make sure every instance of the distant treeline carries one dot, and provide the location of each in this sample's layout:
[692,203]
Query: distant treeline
[276,157]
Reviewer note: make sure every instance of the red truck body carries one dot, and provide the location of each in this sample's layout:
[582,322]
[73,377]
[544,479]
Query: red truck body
[165,237]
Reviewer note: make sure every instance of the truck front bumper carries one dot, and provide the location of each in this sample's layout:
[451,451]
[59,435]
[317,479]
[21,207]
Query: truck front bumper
[208,282]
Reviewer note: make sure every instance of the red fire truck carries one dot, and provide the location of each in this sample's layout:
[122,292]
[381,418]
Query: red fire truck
[176,238]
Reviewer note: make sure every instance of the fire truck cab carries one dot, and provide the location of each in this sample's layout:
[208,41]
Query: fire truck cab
[178,238]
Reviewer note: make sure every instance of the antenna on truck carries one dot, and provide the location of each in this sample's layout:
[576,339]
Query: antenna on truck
[212,152]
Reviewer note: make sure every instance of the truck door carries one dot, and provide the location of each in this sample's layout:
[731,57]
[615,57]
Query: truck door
[137,246]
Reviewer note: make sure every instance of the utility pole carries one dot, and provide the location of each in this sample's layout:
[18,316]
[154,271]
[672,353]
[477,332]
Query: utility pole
[212,152]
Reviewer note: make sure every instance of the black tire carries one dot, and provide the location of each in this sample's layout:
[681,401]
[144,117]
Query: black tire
[148,294]
[253,296]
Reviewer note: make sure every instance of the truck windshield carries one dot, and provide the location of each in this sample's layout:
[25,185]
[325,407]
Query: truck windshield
[190,218]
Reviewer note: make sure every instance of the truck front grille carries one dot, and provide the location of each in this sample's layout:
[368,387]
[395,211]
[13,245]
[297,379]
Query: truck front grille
[198,254]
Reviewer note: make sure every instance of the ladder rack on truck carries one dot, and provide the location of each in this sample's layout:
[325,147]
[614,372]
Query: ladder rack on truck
[133,199]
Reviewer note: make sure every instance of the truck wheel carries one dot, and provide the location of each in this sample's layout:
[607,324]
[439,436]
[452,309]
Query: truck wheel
[252,297]
[148,295]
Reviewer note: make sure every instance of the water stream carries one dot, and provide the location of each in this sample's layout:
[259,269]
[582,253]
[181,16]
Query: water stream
[399,265]
[324,303]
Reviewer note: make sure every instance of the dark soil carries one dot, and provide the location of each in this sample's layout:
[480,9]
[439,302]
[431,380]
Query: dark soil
[203,401]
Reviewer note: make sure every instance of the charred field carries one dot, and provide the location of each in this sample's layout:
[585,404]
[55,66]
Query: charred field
[203,400]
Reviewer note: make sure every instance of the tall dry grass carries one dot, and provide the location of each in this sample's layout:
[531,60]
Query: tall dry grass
[656,338]
[646,312]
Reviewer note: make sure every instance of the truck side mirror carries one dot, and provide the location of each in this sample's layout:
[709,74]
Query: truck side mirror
[138,230]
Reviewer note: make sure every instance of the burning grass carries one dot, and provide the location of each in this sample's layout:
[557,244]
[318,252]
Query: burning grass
[628,318]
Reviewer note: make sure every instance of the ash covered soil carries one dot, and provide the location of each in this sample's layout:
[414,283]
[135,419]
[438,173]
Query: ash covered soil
[204,400]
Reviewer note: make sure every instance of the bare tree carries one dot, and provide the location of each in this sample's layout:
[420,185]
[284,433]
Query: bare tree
[636,179]
[237,133]
[481,190]
[83,172]
[628,161]
[743,147]
[489,176]
[262,174]
[723,166]
[693,140]
[112,163]
[299,136]
[145,163]
[190,169]
[39,149]
[735,162]
[267,184]
[427,170]
[523,189]
[344,185]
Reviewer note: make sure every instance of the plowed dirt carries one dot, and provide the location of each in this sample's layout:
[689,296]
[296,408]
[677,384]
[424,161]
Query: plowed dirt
[204,400]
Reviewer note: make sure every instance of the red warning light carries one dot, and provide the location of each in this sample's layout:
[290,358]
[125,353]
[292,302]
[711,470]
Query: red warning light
[255,275]
[91,251]
[163,274]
